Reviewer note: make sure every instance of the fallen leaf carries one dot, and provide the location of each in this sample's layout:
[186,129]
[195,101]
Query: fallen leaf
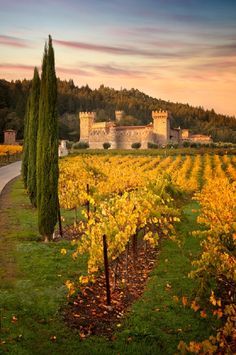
[195,306]
[184,301]
[53,338]
[203,314]
[82,335]
[218,313]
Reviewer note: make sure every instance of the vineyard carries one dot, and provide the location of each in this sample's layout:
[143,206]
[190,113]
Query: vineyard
[9,153]
[128,205]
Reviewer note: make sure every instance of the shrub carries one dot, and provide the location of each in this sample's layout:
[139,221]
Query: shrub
[152,145]
[136,145]
[106,145]
[172,145]
[69,144]
[80,145]
[186,144]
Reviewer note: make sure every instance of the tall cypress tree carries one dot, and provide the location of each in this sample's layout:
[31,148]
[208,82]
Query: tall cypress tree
[32,140]
[47,147]
[25,159]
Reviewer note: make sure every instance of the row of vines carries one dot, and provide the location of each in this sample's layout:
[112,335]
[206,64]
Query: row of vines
[9,153]
[131,201]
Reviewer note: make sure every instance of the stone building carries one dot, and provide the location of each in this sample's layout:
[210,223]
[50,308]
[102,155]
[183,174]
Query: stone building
[122,137]
[10,137]
[195,138]
[62,149]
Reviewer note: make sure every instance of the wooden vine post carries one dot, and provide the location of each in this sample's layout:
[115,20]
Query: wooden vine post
[134,247]
[106,267]
[88,204]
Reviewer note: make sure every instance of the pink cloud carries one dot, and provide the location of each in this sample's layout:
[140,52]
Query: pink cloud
[114,50]
[13,41]
[113,70]
[24,67]
[73,71]
[16,66]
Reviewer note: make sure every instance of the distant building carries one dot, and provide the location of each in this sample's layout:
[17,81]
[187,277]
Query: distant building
[10,137]
[122,137]
[195,138]
[62,149]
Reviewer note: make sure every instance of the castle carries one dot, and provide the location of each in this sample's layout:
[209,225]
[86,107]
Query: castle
[122,137]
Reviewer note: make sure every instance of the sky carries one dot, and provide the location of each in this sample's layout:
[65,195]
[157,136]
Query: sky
[177,50]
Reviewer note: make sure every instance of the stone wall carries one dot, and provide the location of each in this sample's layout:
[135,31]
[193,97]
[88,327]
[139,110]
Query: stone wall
[99,135]
[175,135]
[121,137]
[200,138]
[126,136]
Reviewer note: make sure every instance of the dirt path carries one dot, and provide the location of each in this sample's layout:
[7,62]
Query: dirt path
[8,267]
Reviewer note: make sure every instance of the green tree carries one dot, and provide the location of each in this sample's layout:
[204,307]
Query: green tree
[32,138]
[47,147]
[25,159]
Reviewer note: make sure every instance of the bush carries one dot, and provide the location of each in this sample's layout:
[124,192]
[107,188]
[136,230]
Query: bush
[193,145]
[106,145]
[80,145]
[172,145]
[151,145]
[136,145]
[186,144]
[69,144]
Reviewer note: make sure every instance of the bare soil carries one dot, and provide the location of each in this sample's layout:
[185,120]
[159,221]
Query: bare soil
[89,313]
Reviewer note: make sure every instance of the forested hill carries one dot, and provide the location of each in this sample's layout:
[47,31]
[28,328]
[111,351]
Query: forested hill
[137,106]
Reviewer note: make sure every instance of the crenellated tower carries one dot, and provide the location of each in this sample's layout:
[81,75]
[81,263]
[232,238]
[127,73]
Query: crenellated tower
[161,126]
[86,121]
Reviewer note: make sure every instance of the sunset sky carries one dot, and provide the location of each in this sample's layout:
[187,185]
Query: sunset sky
[177,50]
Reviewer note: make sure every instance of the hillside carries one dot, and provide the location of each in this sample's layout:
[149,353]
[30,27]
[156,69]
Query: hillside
[136,104]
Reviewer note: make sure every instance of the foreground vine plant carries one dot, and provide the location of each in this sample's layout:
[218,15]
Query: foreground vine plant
[147,214]
[129,199]
[217,264]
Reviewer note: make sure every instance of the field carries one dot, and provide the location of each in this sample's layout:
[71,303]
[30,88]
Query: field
[141,204]
[9,153]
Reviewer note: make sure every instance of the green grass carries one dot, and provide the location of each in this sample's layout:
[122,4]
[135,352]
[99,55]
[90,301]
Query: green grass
[36,295]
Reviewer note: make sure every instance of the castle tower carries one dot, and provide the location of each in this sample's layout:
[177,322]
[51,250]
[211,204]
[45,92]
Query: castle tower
[119,115]
[86,122]
[161,126]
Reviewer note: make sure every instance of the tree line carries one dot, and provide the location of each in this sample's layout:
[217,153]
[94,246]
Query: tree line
[137,105]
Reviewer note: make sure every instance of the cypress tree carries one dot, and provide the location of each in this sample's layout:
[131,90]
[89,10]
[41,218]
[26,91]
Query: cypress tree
[47,147]
[25,159]
[32,138]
